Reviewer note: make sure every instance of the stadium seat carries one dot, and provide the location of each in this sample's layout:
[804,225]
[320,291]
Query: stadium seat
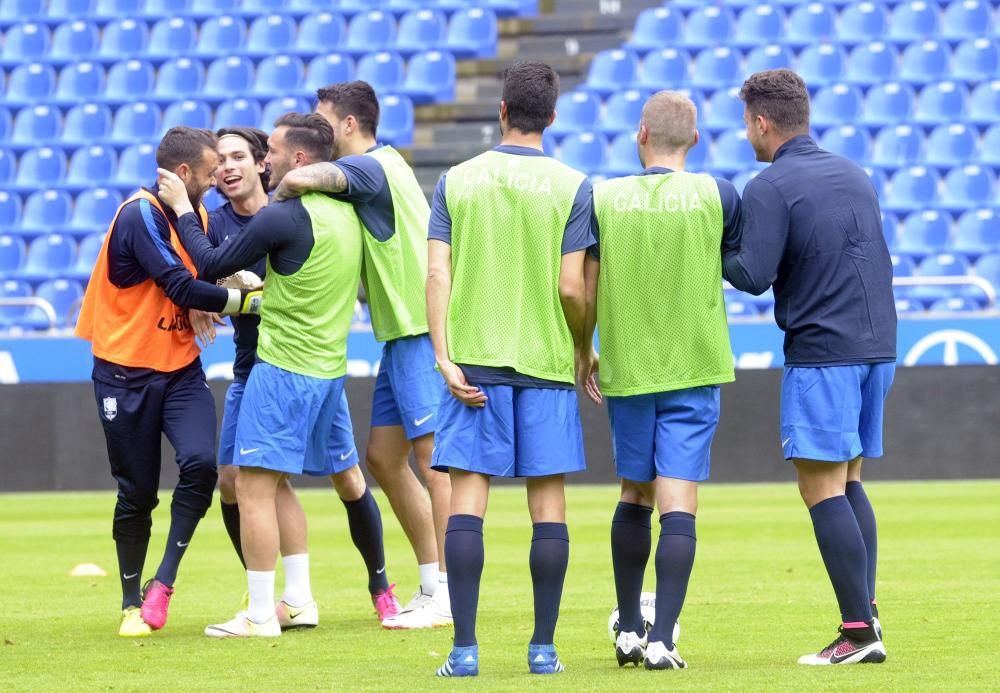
[90,248]
[6,120]
[732,153]
[988,267]
[76,40]
[584,151]
[86,123]
[770,57]
[611,70]
[10,210]
[943,102]
[212,200]
[276,108]
[821,65]
[8,166]
[430,77]
[24,42]
[396,120]
[915,20]
[810,23]
[577,111]
[13,288]
[90,166]
[278,76]
[45,211]
[741,179]
[35,125]
[370,31]
[925,233]
[253,8]
[178,79]
[49,256]
[190,113]
[78,82]
[862,22]
[40,167]
[12,253]
[94,209]
[171,37]
[209,8]
[623,156]
[698,155]
[913,188]
[872,63]
[976,60]
[128,81]
[759,24]
[237,113]
[716,68]
[421,30]
[977,233]
[969,187]
[385,71]
[965,18]
[159,9]
[741,309]
[890,229]
[888,104]
[655,27]
[70,8]
[270,35]
[220,36]
[664,69]
[136,166]
[836,104]
[473,33]
[905,306]
[924,61]
[878,179]
[989,151]
[724,110]
[951,145]
[311,5]
[955,304]
[902,266]
[62,295]
[320,33]
[17,9]
[851,142]
[984,104]
[941,265]
[135,122]
[707,26]
[324,70]
[110,10]
[227,76]
[622,112]
[898,146]
[123,39]
[30,83]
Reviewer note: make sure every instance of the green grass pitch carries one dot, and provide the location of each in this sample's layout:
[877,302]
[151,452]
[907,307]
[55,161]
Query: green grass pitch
[758,599]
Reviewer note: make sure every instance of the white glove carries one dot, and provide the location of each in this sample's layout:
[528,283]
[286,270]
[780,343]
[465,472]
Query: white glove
[244,279]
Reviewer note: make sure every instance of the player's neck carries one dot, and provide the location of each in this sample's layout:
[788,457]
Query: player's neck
[360,146]
[673,161]
[251,205]
[516,138]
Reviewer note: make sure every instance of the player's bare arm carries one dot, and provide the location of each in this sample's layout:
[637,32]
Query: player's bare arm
[319,177]
[588,366]
[573,296]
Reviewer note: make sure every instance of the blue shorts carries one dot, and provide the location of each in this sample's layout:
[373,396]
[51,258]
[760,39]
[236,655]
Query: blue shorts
[294,424]
[834,413]
[522,431]
[230,416]
[664,433]
[408,388]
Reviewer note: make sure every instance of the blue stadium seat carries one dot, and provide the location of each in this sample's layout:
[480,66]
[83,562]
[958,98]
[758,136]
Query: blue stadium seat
[353,7]
[872,63]
[622,112]
[135,122]
[162,9]
[666,68]
[49,256]
[63,295]
[24,42]
[178,79]
[70,8]
[209,8]
[237,113]
[576,111]
[759,24]
[40,167]
[278,76]
[220,36]
[887,104]
[951,145]
[78,82]
[611,70]
[913,188]
[878,179]
[969,187]
[370,31]
[270,35]
[741,179]
[902,265]
[623,156]
[584,151]
[549,143]
[35,125]
[136,166]
[710,25]
[724,110]
[854,143]
[913,21]
[988,267]
[822,64]
[320,33]
[716,68]
[863,21]
[172,37]
[924,61]
[984,104]
[276,108]
[810,23]
[965,18]
[6,120]
[228,76]
[732,153]
[86,123]
[836,104]
[905,306]
[472,33]
[15,10]
[698,156]
[654,28]
[324,70]
[252,8]
[45,211]
[396,120]
[123,39]
[189,113]
[86,258]
[769,57]
[430,77]
[13,288]
[110,10]
[8,166]
[310,5]
[10,210]
[890,229]
[989,152]
[90,166]
[12,253]
[212,199]
[421,30]
[955,304]
[943,102]
[385,71]
[736,308]
[941,265]
[506,8]
[74,40]
[129,80]
[29,83]
[976,60]
[977,233]
[94,209]
[898,146]
[925,233]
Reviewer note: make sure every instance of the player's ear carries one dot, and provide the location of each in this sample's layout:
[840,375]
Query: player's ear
[643,135]
[551,118]
[697,138]
[503,111]
[183,171]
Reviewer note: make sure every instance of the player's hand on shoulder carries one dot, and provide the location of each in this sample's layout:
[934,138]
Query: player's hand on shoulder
[587,365]
[172,191]
[459,387]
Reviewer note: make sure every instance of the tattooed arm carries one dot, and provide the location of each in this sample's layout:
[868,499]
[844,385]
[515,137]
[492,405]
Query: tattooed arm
[321,177]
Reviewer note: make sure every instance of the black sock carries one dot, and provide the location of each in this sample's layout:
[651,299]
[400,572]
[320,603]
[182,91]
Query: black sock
[365,522]
[231,519]
[548,560]
[182,528]
[865,516]
[131,557]
[631,541]
[674,560]
[843,550]
[464,554]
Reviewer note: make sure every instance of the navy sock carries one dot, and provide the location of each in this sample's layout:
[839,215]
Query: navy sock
[131,557]
[231,519]
[365,522]
[463,551]
[674,560]
[182,528]
[843,550]
[865,516]
[631,541]
[548,559]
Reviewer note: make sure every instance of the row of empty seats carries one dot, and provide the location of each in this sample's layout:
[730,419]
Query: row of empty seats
[918,235]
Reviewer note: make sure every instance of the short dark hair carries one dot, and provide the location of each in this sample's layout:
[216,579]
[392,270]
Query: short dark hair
[257,141]
[183,145]
[356,99]
[780,96]
[309,132]
[530,91]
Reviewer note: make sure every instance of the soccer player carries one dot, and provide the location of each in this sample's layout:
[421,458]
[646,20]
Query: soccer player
[656,279]
[506,307]
[147,373]
[812,229]
[394,212]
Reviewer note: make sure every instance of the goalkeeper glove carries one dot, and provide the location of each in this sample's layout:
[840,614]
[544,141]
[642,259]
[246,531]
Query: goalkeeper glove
[243,302]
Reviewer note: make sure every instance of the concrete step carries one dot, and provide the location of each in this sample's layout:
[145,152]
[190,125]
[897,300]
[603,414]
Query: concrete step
[479,133]
[601,7]
[545,48]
